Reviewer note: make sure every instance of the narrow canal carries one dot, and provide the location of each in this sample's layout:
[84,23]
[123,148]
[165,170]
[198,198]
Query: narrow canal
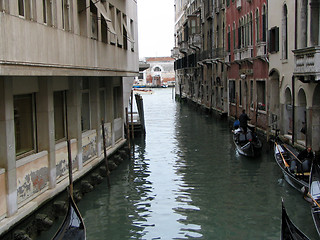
[187,181]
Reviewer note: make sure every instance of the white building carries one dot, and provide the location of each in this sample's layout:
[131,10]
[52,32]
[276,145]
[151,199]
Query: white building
[64,66]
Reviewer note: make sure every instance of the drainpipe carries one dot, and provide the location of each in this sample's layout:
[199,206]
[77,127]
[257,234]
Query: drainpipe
[293,111]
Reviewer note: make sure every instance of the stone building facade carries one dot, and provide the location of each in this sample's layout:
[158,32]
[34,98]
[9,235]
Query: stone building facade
[237,54]
[160,71]
[64,66]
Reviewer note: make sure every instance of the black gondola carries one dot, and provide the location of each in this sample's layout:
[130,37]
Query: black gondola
[73,225]
[284,157]
[248,144]
[289,231]
[314,188]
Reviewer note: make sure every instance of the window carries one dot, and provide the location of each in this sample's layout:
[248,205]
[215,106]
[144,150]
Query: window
[117,102]
[257,26]
[94,21]
[157,69]
[44,9]
[261,95]
[65,15]
[21,8]
[24,123]
[85,106]
[285,33]
[251,29]
[264,24]
[229,40]
[234,36]
[47,12]
[232,91]
[251,93]
[104,30]
[240,93]
[274,40]
[59,115]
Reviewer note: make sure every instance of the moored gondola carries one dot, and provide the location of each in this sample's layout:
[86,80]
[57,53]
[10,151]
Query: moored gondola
[73,225]
[285,159]
[247,143]
[289,231]
[314,189]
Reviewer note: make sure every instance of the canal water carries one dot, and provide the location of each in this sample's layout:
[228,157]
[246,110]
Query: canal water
[186,181]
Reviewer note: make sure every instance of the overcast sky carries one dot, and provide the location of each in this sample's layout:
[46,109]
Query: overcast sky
[155,28]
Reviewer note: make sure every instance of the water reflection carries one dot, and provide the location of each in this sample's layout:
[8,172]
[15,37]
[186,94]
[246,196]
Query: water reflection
[187,181]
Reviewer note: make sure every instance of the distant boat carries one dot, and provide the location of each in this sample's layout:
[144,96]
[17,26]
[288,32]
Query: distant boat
[142,90]
[289,231]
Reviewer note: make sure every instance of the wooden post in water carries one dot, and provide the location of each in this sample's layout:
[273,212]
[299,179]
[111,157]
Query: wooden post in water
[105,152]
[132,127]
[70,168]
[128,130]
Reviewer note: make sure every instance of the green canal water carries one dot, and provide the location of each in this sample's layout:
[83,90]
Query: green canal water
[186,181]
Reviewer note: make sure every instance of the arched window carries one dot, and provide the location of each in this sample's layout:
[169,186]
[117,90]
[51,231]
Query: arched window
[157,69]
[285,32]
[264,23]
[234,35]
[250,29]
[229,39]
[257,25]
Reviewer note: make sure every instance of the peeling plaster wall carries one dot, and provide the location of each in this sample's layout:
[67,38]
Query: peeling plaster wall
[62,159]
[89,145]
[32,176]
[107,127]
[3,194]
[118,128]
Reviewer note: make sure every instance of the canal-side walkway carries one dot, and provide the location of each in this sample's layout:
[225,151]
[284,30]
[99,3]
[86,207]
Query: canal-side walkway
[8,223]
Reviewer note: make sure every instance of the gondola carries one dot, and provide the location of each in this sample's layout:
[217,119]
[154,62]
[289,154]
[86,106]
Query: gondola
[314,189]
[289,231]
[247,144]
[284,157]
[73,225]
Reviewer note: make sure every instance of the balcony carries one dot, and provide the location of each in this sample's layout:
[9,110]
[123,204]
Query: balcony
[237,55]
[213,54]
[261,49]
[227,58]
[238,4]
[183,47]
[307,63]
[195,41]
[175,52]
[246,53]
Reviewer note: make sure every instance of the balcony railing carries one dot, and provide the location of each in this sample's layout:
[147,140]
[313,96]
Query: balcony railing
[213,54]
[307,62]
[261,49]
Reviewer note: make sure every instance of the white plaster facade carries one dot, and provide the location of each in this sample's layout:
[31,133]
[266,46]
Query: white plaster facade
[75,58]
